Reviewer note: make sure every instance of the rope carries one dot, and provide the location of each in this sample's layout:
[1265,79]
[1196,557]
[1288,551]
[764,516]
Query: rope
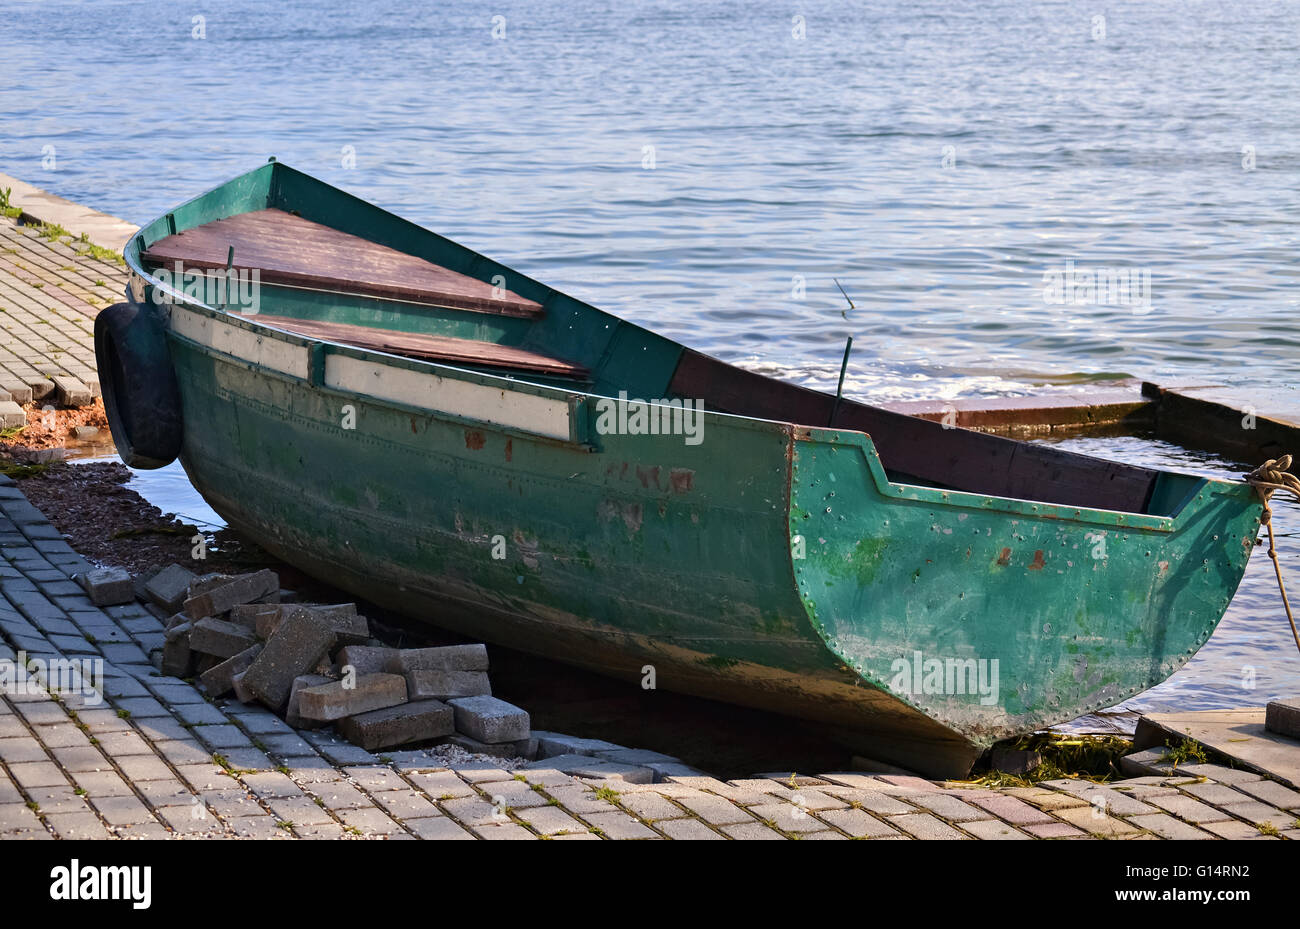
[1270,477]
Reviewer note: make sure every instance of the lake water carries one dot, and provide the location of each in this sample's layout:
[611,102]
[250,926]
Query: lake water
[708,170]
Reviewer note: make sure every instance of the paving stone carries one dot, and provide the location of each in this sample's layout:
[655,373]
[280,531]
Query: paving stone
[1191,810]
[437,828]
[262,618]
[1272,793]
[219,679]
[992,829]
[76,825]
[332,701]
[714,810]
[398,725]
[107,586]
[183,751]
[405,804]
[1232,829]
[341,796]
[524,748]
[549,820]
[1283,717]
[294,649]
[857,823]
[750,831]
[441,785]
[489,719]
[301,811]
[365,659]
[369,821]
[687,830]
[122,811]
[925,826]
[199,714]
[947,807]
[221,638]
[271,784]
[445,658]
[169,587]
[177,656]
[1013,810]
[242,589]
[1254,812]
[1090,819]
[1167,827]
[504,832]
[33,774]
[787,817]
[649,806]
[24,749]
[1219,773]
[441,685]
[620,826]
[259,827]
[292,714]
[222,736]
[1217,794]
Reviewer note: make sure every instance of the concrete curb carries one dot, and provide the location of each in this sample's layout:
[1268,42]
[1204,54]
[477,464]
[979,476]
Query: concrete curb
[40,206]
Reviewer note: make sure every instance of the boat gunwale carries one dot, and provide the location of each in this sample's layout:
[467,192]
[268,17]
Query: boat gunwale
[836,437]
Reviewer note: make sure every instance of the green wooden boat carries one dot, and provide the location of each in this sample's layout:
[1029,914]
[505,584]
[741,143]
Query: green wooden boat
[437,433]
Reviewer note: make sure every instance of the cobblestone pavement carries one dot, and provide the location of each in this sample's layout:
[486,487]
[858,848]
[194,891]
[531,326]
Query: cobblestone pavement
[50,291]
[153,758]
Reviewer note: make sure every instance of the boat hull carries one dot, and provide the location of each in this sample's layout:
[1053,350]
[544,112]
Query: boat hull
[709,570]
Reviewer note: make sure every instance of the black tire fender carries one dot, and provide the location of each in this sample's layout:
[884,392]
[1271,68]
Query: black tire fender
[141,399]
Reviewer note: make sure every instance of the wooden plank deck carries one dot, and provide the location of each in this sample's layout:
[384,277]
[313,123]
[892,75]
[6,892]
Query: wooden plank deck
[287,249]
[425,347]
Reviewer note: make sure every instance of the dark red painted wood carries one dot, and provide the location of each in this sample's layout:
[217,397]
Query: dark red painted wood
[287,249]
[954,458]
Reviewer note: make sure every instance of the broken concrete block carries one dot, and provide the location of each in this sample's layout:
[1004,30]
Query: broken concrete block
[1283,717]
[71,392]
[445,658]
[220,637]
[170,587]
[328,702]
[300,641]
[252,615]
[245,588]
[178,659]
[442,685]
[489,719]
[365,659]
[219,680]
[398,725]
[107,586]
[300,683]
[524,748]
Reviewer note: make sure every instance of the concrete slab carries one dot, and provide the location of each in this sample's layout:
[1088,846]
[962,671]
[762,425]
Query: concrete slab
[1236,734]
[42,206]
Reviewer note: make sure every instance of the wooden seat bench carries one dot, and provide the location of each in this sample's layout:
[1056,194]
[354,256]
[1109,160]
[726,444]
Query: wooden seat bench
[425,347]
[286,249]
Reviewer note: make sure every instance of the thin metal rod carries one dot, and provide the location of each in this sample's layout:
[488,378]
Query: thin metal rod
[839,390]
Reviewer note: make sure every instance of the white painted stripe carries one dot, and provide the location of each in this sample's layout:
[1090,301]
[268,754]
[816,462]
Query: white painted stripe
[264,351]
[466,399]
